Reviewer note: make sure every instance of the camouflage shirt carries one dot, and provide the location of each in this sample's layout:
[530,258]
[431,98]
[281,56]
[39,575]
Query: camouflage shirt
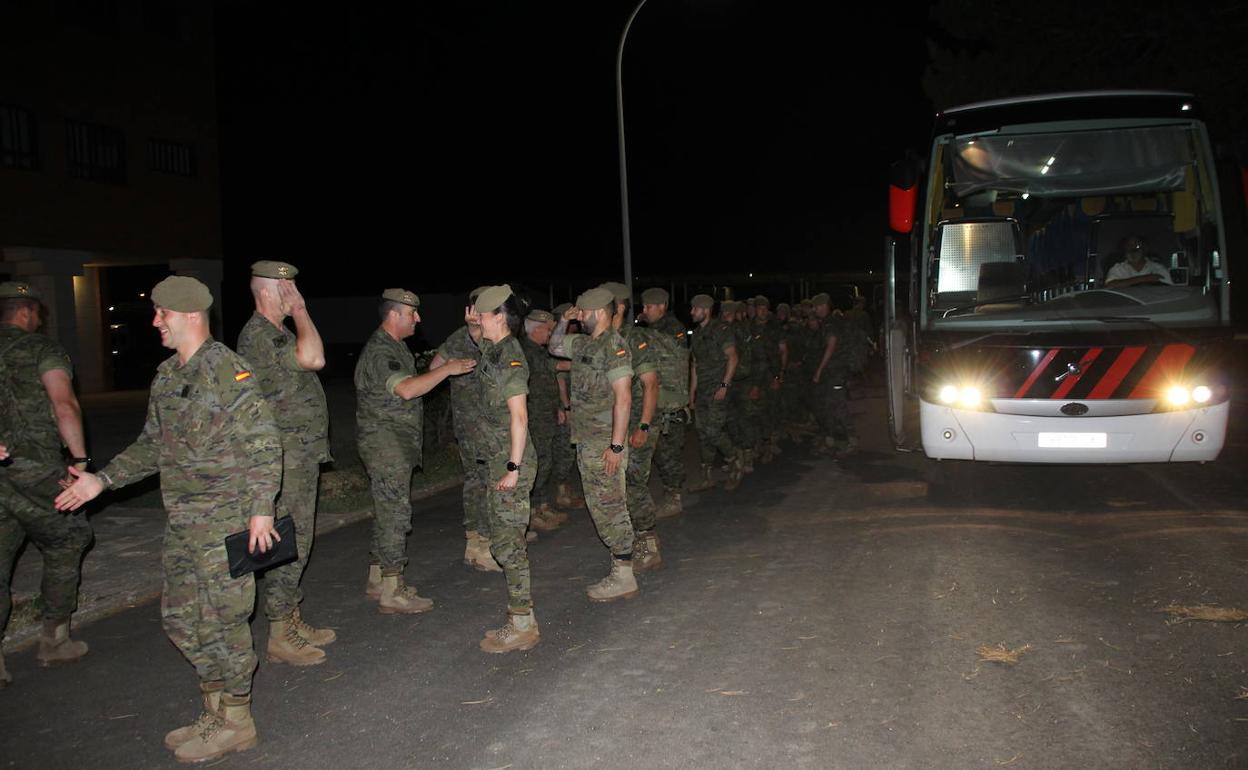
[27,423]
[294,393]
[597,363]
[465,412]
[770,335]
[502,373]
[645,354]
[543,387]
[210,435]
[379,413]
[711,344]
[672,341]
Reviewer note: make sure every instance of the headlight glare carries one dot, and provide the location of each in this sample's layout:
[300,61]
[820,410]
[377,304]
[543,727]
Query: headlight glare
[949,394]
[969,397]
[1177,395]
[1201,394]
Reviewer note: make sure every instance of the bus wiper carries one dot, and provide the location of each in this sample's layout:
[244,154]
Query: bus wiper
[1109,319]
[996,301]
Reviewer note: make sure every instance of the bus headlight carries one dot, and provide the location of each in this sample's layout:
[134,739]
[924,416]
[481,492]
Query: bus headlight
[1201,394]
[967,396]
[1177,395]
[948,394]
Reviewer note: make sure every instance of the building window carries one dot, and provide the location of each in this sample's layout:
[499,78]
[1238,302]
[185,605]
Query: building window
[18,146]
[171,157]
[96,153]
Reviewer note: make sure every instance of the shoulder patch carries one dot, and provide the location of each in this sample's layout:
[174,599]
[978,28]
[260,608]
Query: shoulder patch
[279,342]
[517,363]
[642,346]
[394,365]
[239,377]
[621,352]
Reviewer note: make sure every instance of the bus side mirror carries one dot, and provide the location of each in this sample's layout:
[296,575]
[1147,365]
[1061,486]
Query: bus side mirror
[903,188]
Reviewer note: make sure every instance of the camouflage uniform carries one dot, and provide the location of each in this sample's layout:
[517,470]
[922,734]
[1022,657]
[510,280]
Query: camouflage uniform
[711,344]
[672,344]
[758,376]
[213,439]
[770,334]
[28,482]
[644,349]
[503,373]
[564,470]
[543,424]
[596,364]
[297,401]
[831,399]
[465,418]
[389,434]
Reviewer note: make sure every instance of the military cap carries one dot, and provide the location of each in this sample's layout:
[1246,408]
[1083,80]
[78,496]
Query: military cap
[561,309]
[655,296]
[805,302]
[783,306]
[595,299]
[492,298]
[183,294]
[822,298]
[703,300]
[761,301]
[732,306]
[17,290]
[472,295]
[402,296]
[750,300]
[618,290]
[267,268]
[539,316]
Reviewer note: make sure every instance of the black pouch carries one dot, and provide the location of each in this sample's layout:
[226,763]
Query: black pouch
[241,562]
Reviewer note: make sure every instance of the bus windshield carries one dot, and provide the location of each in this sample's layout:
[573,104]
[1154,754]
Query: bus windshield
[1062,225]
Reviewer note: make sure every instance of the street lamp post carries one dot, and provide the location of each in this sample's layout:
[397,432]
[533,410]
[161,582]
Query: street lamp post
[619,111]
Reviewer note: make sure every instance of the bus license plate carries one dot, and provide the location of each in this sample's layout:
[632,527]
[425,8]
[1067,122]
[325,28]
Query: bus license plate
[1073,440]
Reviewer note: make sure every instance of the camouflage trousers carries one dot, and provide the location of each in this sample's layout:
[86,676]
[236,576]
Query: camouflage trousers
[26,492]
[564,455]
[390,463]
[606,498]
[832,409]
[508,512]
[544,440]
[749,415]
[641,508]
[280,585]
[475,517]
[669,455]
[712,426]
[793,402]
[204,610]
[771,415]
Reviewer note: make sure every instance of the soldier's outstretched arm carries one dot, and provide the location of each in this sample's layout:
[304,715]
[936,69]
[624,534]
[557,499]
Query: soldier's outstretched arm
[418,385]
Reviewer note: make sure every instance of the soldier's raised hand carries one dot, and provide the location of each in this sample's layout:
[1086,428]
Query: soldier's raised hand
[4,452]
[290,296]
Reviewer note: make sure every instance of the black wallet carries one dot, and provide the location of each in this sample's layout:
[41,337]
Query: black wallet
[242,562]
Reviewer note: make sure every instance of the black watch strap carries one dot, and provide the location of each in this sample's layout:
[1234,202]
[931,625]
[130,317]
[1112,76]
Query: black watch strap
[512,466]
[617,448]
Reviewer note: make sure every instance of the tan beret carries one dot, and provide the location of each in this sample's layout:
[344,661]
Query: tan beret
[595,299]
[783,306]
[492,298]
[822,298]
[472,295]
[17,290]
[539,316]
[618,290]
[761,300]
[655,296]
[703,300]
[183,294]
[402,296]
[561,309]
[267,268]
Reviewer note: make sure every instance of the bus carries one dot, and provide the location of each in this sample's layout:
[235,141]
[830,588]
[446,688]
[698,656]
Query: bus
[1067,296]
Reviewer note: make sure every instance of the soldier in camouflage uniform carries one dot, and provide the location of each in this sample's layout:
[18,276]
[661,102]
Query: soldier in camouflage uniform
[39,415]
[672,344]
[714,355]
[511,461]
[212,437]
[740,422]
[832,372]
[565,474]
[464,342]
[544,415]
[601,382]
[389,420]
[769,333]
[284,365]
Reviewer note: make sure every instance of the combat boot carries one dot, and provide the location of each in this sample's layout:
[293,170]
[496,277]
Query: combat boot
[55,646]
[557,516]
[747,460]
[618,584]
[542,520]
[233,729]
[520,633]
[848,448]
[774,446]
[211,692]
[398,597]
[5,679]
[646,556]
[318,637]
[530,536]
[287,646]
[567,498]
[736,471]
[373,589]
[671,505]
[477,553]
[704,480]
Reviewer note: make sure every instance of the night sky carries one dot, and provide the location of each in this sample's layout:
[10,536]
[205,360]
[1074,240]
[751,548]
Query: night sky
[443,145]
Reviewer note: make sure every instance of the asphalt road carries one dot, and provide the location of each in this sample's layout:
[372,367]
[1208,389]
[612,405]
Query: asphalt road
[822,616]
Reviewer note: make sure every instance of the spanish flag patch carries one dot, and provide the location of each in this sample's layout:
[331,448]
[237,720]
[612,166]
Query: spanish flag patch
[516,363]
[241,376]
[621,352]
[643,345]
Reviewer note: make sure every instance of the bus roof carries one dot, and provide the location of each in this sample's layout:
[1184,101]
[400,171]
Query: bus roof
[1076,105]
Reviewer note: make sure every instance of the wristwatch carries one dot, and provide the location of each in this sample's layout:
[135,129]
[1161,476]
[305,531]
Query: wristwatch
[80,461]
[567,408]
[512,466]
[644,427]
[724,384]
[617,448]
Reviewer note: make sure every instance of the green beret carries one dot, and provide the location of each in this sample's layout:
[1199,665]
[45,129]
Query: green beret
[267,268]
[805,302]
[595,299]
[618,290]
[540,316]
[655,296]
[472,295]
[760,300]
[703,300]
[821,298]
[750,300]
[783,306]
[402,296]
[561,309]
[17,290]
[492,298]
[183,294]
[731,306]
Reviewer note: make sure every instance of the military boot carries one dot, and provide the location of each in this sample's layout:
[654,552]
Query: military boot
[566,497]
[747,460]
[287,646]
[55,646]
[233,729]
[618,584]
[315,636]
[671,505]
[211,692]
[477,553]
[557,516]
[530,536]
[520,633]
[848,448]
[736,471]
[703,480]
[774,446]
[373,589]
[398,597]
[543,520]
[5,679]
[646,556]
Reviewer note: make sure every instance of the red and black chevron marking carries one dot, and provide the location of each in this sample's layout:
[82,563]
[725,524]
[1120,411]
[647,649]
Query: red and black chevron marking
[1106,373]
